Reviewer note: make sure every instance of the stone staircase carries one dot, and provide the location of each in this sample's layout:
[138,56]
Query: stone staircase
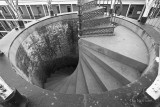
[96,72]
[100,67]
[93,21]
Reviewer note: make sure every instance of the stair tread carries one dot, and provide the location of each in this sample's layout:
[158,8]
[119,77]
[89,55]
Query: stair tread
[81,86]
[103,75]
[54,79]
[55,76]
[92,84]
[97,35]
[67,69]
[96,21]
[64,88]
[72,85]
[53,86]
[129,73]
[102,26]
[92,9]
[98,17]
[60,86]
[86,2]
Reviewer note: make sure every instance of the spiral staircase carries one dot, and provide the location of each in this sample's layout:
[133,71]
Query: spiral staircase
[118,63]
[105,62]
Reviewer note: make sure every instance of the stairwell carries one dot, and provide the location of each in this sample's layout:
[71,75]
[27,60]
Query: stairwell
[108,58]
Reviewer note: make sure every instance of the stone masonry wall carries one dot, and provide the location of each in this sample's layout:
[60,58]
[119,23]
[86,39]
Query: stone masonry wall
[47,49]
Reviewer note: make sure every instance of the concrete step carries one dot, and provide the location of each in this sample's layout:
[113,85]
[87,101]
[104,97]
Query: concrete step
[89,63]
[72,85]
[96,35]
[81,86]
[54,79]
[92,84]
[106,30]
[55,85]
[89,5]
[64,88]
[98,11]
[55,76]
[126,48]
[60,86]
[66,70]
[96,21]
[106,80]
[122,72]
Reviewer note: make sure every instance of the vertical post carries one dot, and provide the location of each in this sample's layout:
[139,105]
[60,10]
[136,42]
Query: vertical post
[111,10]
[59,8]
[142,12]
[99,3]
[20,22]
[49,7]
[44,10]
[128,9]
[80,18]
[112,7]
[50,10]
[72,8]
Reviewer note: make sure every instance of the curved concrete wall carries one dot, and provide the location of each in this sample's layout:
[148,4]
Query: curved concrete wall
[44,47]
[145,34]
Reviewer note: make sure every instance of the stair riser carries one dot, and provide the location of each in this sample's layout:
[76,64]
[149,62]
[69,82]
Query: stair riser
[116,56]
[53,86]
[96,77]
[119,77]
[59,87]
[64,88]
[95,23]
[54,80]
[89,5]
[108,30]
[97,35]
[127,72]
[92,14]
[72,86]
[81,86]
[91,82]
[105,77]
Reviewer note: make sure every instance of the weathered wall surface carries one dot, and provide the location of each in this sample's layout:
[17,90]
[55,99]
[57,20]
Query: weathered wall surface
[47,49]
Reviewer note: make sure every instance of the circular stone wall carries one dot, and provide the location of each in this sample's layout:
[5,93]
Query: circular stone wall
[47,48]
